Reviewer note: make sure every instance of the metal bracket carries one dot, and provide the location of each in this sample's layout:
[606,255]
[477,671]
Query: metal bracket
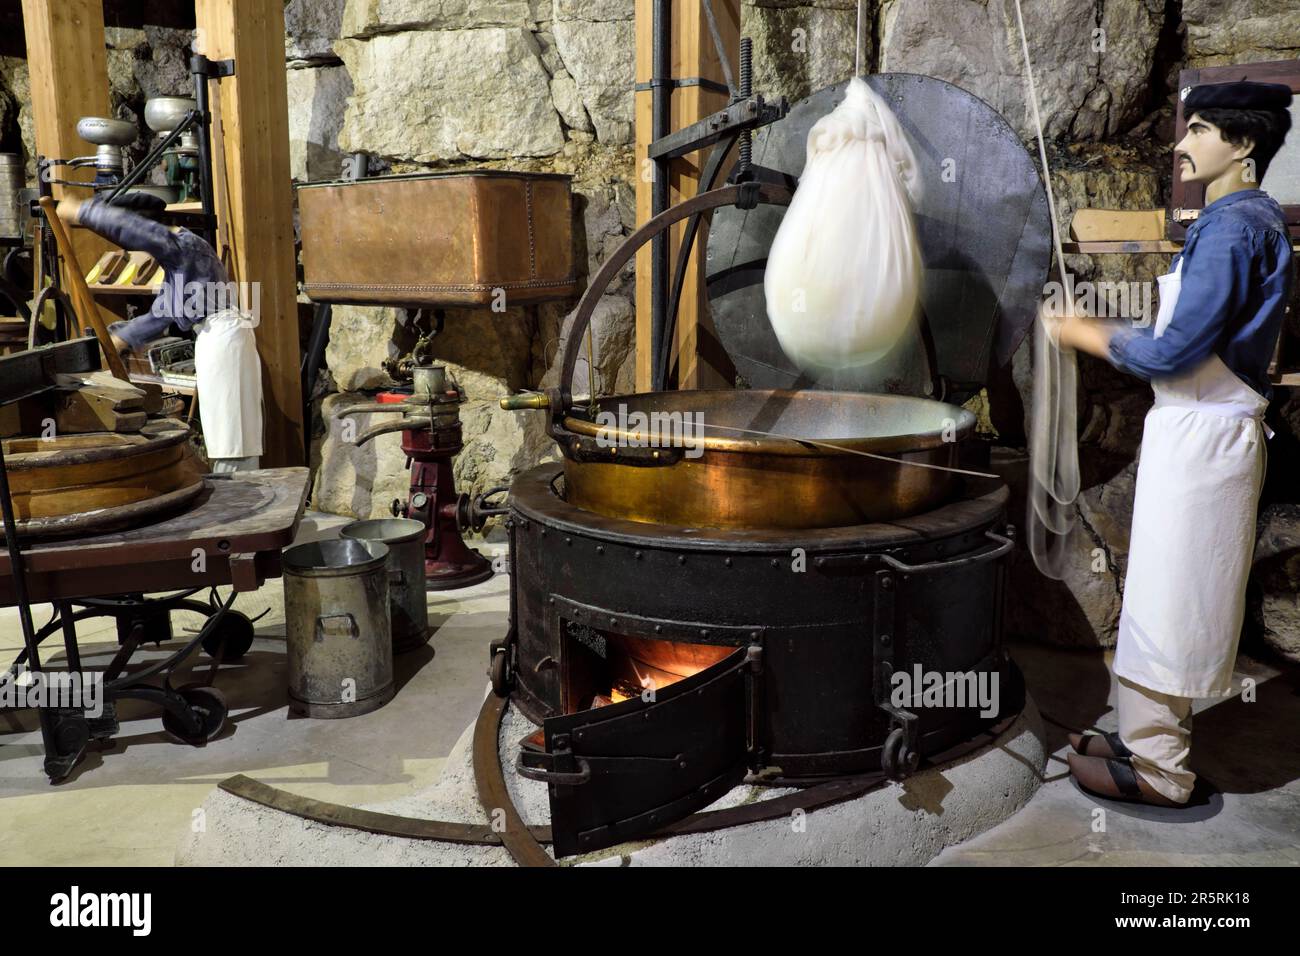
[901,753]
[682,82]
[213,69]
[582,449]
[748,114]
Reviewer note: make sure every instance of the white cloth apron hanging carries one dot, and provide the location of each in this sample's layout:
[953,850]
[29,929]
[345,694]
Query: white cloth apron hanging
[228,373]
[1199,478]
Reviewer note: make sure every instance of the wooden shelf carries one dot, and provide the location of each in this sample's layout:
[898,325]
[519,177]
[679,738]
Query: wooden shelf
[124,289]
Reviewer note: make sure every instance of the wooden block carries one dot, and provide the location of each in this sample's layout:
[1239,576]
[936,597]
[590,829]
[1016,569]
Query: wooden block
[1117,225]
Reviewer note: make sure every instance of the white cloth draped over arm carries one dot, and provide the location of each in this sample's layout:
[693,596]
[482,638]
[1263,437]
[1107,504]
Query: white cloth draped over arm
[1053,453]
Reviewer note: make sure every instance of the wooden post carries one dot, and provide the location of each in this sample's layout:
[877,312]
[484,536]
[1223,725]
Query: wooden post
[69,79]
[702,361]
[256,196]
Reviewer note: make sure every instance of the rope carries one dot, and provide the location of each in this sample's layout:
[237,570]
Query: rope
[1042,152]
[857,62]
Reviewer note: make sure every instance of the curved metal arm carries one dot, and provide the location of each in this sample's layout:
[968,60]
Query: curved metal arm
[400,425]
[562,396]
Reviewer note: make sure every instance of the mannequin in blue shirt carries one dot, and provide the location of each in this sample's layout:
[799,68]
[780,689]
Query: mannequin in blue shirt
[1201,465]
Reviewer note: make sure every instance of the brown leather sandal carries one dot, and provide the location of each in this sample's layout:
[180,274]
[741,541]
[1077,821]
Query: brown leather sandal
[1115,780]
[1105,744]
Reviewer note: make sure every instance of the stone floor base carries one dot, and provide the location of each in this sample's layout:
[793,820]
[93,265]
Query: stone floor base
[902,824]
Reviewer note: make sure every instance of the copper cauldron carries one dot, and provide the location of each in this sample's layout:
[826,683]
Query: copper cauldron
[728,470]
[745,458]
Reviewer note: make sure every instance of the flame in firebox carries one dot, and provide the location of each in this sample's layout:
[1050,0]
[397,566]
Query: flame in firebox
[617,694]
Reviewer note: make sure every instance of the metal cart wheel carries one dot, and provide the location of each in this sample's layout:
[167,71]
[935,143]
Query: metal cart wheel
[235,631]
[207,706]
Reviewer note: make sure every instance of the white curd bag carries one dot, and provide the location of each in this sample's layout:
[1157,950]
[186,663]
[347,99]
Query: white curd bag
[843,275]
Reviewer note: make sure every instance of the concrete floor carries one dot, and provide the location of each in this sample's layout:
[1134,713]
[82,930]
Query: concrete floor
[130,802]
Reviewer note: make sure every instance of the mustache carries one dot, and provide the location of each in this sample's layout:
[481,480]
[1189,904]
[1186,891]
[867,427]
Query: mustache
[1191,162]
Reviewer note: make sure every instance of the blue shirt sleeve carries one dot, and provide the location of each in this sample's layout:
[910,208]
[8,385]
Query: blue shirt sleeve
[130,230]
[1215,287]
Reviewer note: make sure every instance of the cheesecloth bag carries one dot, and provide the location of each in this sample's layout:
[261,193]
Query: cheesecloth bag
[843,275]
[1053,451]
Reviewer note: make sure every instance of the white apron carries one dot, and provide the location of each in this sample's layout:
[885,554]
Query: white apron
[1199,477]
[228,373]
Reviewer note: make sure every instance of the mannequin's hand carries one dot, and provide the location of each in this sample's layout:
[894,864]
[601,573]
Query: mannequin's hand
[1053,321]
[69,210]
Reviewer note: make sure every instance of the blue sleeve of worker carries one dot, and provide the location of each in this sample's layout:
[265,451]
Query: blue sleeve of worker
[143,328]
[1215,285]
[131,231]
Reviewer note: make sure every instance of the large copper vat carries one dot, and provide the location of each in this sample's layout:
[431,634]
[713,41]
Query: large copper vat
[728,470]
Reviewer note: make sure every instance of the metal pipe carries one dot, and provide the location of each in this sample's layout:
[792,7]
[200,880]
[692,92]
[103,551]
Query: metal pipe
[397,426]
[661,85]
[199,67]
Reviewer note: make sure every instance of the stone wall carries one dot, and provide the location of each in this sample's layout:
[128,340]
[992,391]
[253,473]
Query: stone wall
[536,85]
[545,85]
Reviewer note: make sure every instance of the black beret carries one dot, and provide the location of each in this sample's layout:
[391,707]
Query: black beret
[1242,95]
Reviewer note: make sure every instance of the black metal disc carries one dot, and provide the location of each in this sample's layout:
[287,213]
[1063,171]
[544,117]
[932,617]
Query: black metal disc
[983,226]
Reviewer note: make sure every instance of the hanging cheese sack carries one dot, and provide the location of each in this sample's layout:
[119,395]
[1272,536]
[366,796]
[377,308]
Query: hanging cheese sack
[843,275]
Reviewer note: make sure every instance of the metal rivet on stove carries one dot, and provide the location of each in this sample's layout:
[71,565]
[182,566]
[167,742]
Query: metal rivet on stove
[600,549]
[552,600]
[776,563]
[659,628]
[681,559]
[885,639]
[568,541]
[637,555]
[613,622]
[704,632]
[727,562]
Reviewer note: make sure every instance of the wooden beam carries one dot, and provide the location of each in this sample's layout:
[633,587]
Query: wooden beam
[702,362]
[255,196]
[69,79]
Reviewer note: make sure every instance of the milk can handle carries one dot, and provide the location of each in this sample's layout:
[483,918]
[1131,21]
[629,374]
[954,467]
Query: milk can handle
[346,629]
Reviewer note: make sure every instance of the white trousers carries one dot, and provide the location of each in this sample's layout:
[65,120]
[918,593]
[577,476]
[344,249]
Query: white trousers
[1157,727]
[228,373]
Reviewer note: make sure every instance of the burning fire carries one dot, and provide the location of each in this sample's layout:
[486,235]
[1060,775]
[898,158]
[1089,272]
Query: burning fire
[627,692]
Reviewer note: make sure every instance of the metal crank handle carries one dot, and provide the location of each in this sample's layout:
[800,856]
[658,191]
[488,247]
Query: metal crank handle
[472,513]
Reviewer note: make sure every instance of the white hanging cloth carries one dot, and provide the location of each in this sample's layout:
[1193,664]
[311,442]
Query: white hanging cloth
[843,276]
